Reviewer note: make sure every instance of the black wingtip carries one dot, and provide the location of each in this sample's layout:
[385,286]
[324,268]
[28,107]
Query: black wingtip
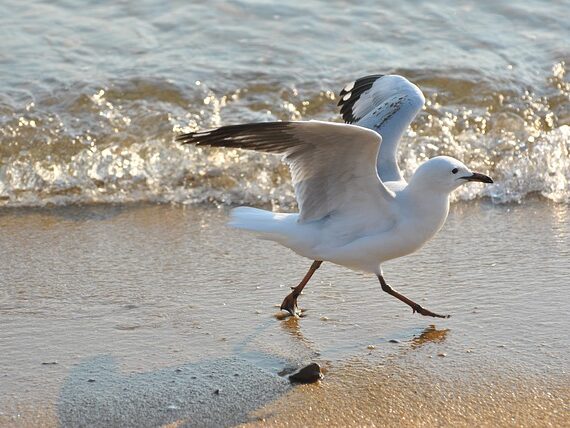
[195,137]
[351,93]
[270,137]
[341,99]
[185,138]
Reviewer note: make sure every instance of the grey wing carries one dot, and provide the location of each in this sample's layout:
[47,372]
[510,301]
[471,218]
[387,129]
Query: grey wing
[386,104]
[332,165]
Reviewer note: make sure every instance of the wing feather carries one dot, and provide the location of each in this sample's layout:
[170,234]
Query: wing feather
[386,104]
[332,165]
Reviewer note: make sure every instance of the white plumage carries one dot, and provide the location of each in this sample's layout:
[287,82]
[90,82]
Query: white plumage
[355,209]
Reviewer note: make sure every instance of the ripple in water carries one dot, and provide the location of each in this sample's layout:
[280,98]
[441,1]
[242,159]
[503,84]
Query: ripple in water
[114,144]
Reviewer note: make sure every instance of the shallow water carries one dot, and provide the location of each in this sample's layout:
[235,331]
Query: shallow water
[126,295]
[91,96]
[121,312]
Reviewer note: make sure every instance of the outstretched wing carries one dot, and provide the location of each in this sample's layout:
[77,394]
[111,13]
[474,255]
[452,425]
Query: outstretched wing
[333,165]
[387,105]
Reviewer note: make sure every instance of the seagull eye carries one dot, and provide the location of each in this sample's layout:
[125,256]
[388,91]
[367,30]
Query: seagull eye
[454,170]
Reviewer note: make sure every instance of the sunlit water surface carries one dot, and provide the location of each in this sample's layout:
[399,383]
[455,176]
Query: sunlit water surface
[146,309]
[125,295]
[91,96]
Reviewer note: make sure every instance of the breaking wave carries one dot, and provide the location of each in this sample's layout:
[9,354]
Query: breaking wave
[113,143]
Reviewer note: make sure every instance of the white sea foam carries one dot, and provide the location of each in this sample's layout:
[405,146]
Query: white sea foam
[115,144]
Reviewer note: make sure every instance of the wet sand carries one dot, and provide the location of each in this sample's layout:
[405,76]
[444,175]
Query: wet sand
[153,315]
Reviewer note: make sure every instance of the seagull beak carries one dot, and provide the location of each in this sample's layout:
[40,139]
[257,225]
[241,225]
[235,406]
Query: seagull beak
[478,177]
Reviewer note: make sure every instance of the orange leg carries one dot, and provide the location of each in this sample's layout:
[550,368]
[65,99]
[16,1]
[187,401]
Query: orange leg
[415,307]
[290,302]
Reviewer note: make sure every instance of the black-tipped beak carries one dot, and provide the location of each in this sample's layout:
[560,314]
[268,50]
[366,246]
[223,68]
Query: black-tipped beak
[478,177]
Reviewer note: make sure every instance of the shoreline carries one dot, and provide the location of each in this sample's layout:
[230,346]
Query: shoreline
[142,299]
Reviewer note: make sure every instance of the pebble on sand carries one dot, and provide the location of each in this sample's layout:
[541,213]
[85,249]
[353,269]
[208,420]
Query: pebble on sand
[308,374]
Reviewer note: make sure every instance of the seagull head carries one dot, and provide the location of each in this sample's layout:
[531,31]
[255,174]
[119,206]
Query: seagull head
[445,174]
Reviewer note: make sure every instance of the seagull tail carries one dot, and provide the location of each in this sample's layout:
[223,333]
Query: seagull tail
[266,224]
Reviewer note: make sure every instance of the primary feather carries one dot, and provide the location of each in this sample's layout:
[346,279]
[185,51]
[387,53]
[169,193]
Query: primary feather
[333,165]
[387,104]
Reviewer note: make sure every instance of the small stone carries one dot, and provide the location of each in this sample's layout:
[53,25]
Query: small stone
[371,347]
[177,370]
[394,341]
[173,407]
[308,374]
[442,354]
[49,363]
[217,392]
[90,380]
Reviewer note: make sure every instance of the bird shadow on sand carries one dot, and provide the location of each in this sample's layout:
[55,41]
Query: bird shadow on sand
[218,392]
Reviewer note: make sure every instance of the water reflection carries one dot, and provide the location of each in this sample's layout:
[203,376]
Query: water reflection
[292,325]
[430,335]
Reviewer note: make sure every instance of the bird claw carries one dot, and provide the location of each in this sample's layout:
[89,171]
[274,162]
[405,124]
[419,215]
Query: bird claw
[427,313]
[290,305]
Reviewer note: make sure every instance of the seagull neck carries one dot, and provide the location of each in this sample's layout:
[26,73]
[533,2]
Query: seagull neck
[421,194]
[419,185]
[426,210]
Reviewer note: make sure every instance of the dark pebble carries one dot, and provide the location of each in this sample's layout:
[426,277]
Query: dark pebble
[309,374]
[217,392]
[90,380]
[49,363]
[394,341]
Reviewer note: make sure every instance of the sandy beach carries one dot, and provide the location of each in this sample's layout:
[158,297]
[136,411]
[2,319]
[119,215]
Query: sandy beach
[125,301]
[151,315]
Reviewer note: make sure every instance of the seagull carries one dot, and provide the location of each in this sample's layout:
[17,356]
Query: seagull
[355,208]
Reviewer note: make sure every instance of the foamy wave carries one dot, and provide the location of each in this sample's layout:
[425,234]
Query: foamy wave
[161,171]
[114,145]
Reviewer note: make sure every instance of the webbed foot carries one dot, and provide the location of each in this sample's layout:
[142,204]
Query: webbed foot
[290,304]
